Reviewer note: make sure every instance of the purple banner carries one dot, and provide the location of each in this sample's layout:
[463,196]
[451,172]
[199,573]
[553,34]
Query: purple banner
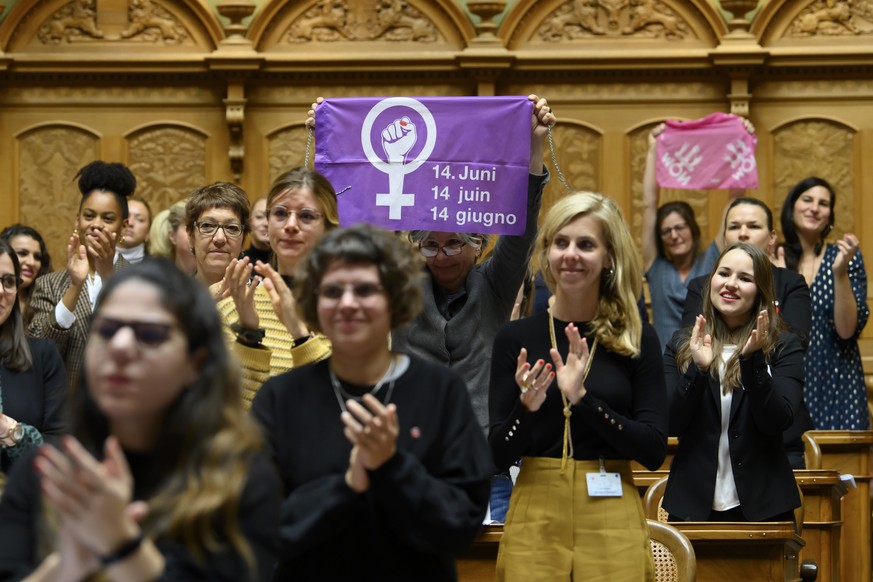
[449,164]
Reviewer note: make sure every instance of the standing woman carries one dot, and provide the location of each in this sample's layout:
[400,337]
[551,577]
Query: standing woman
[34,259]
[735,381]
[834,390]
[163,477]
[301,207]
[216,218]
[133,246]
[609,406]
[399,481]
[63,301]
[33,382]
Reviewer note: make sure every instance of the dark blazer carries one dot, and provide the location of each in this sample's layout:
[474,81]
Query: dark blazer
[48,292]
[791,291]
[760,411]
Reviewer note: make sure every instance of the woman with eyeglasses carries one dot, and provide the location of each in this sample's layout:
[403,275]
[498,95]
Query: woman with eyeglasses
[33,256]
[163,476]
[671,247]
[261,321]
[62,301]
[398,483]
[216,217]
[33,382]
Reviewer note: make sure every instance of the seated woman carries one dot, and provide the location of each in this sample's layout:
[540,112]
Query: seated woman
[33,382]
[609,406]
[168,238]
[33,256]
[399,481]
[216,217]
[163,478]
[735,382]
[63,301]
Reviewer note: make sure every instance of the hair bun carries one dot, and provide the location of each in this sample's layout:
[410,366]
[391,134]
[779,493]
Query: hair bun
[112,176]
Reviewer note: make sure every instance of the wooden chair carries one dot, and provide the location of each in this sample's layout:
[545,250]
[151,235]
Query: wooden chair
[673,554]
[811,452]
[652,501]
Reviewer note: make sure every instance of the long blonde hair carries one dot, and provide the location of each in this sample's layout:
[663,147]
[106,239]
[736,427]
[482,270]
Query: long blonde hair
[617,323]
[718,329]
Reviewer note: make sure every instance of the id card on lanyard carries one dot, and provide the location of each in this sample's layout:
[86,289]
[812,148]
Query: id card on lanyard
[603,484]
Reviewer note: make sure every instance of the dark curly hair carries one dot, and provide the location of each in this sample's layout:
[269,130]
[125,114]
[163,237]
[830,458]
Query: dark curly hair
[111,177]
[400,270]
[792,247]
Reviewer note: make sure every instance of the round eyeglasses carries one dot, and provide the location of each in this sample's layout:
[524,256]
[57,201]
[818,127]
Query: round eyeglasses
[306,217]
[231,230]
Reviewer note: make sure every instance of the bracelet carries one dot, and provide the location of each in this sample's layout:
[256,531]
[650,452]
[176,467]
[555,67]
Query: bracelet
[122,552]
[247,336]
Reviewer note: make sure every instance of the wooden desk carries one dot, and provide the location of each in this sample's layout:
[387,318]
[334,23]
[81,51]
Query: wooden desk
[849,452]
[822,522]
[732,552]
[726,552]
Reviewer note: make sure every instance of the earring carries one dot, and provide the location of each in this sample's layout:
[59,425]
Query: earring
[76,231]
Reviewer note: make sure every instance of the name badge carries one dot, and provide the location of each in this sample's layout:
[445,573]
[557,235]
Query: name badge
[603,484]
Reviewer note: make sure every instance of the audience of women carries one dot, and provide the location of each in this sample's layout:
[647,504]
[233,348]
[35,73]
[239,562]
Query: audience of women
[735,381]
[750,221]
[834,390]
[577,392]
[133,245]
[398,482]
[671,248]
[33,256]
[63,301]
[164,477]
[216,218]
[262,324]
[33,382]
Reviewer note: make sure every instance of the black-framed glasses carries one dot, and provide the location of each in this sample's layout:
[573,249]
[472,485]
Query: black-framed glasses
[306,217]
[10,283]
[147,333]
[231,229]
[361,291]
[432,248]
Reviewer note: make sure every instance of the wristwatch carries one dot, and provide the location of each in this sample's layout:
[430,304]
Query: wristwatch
[13,435]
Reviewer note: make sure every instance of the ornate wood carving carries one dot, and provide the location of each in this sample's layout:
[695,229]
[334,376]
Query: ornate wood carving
[146,21]
[286,149]
[578,153]
[48,159]
[816,147]
[344,20]
[169,162]
[833,18]
[577,19]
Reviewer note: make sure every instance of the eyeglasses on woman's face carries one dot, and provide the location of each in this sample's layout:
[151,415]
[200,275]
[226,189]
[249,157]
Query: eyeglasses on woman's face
[147,333]
[9,283]
[431,248]
[306,217]
[208,228]
[678,229]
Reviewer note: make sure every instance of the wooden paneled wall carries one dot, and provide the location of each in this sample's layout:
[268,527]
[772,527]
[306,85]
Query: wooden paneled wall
[186,98]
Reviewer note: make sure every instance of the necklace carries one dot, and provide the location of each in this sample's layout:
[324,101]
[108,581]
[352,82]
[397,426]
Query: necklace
[342,395]
[567,447]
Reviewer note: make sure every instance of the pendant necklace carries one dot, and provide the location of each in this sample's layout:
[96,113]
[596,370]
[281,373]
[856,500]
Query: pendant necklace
[342,395]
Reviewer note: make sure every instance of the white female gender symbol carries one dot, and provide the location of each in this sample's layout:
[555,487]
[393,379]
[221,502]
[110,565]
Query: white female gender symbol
[395,199]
